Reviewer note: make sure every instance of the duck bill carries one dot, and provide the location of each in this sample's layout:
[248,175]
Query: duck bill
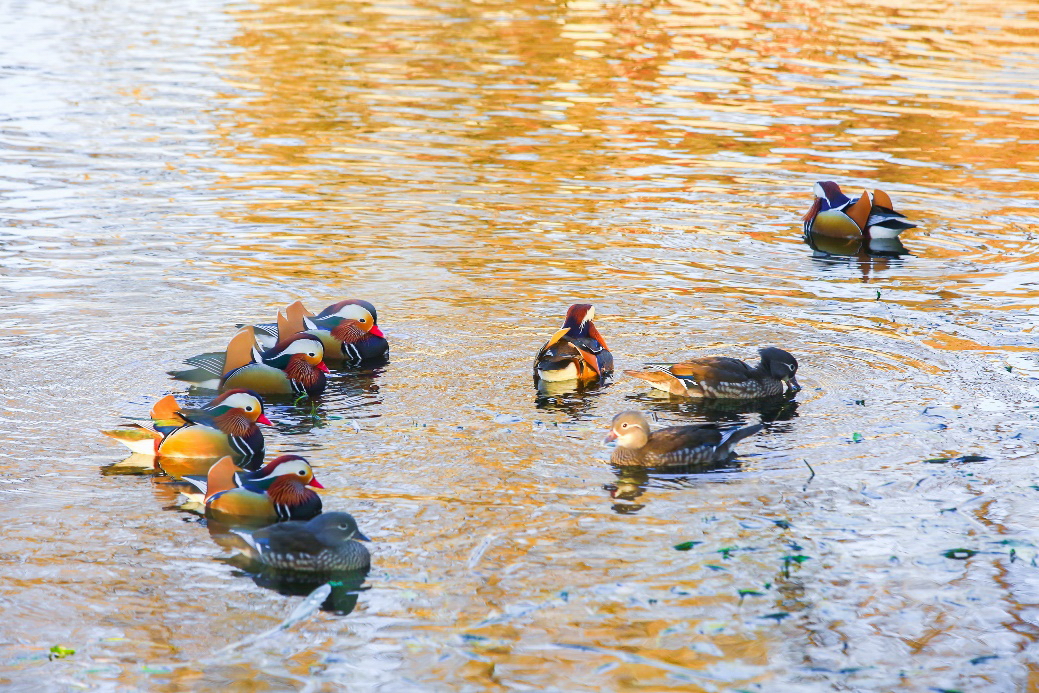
[376,331]
[314,483]
[610,437]
[360,537]
[262,419]
[793,385]
[322,367]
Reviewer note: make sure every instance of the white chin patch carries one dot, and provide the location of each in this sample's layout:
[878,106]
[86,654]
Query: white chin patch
[557,376]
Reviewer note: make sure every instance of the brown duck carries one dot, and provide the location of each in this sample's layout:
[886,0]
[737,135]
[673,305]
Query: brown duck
[697,445]
[719,377]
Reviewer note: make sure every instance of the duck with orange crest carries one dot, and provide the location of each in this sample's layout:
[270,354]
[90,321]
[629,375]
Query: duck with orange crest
[225,426]
[293,366]
[835,215]
[576,352]
[281,490]
[348,330]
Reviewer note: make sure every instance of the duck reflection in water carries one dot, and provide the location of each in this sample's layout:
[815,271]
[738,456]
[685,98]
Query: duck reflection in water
[870,254]
[570,397]
[770,409]
[295,558]
[630,493]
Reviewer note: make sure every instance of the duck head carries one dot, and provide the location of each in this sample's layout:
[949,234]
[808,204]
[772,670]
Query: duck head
[781,365]
[239,402]
[300,347]
[354,312]
[630,429]
[335,528]
[286,467]
[578,319]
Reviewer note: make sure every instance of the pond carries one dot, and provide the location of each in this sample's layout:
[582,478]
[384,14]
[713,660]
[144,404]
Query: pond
[472,168]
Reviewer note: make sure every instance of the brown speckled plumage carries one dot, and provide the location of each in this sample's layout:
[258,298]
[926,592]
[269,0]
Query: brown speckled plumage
[685,446]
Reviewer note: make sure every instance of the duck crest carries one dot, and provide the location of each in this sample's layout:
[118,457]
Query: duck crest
[579,319]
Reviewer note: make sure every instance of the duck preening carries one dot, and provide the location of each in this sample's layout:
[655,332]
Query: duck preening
[279,491]
[720,377]
[685,446]
[224,426]
[575,352]
[294,365]
[835,215]
[328,543]
[348,330]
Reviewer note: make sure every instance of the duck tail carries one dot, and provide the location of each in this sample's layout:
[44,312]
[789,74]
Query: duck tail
[736,435]
[662,380]
[139,439]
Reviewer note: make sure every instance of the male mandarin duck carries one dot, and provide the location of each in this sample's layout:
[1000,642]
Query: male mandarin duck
[225,426]
[326,544]
[279,491]
[294,365]
[575,352]
[697,445]
[720,377]
[348,330]
[836,215]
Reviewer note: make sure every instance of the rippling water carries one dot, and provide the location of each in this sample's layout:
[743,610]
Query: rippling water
[472,168]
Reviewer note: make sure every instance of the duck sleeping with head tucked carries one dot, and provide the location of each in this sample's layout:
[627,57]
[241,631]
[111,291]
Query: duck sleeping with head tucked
[835,215]
[575,352]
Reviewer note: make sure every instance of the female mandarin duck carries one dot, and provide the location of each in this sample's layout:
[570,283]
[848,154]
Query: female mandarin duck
[277,492]
[347,329]
[698,445]
[294,365]
[720,377]
[835,215]
[575,352]
[326,544]
[225,426]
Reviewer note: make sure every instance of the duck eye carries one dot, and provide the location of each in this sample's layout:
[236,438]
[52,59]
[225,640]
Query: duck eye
[364,319]
[301,473]
[310,354]
[249,408]
[344,526]
[624,425]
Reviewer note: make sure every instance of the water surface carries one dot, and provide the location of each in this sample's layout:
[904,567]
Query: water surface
[472,168]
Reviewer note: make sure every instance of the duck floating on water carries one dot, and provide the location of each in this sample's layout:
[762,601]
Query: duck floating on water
[326,544]
[225,426]
[293,366]
[348,330]
[720,377]
[280,491]
[676,446]
[575,352]
[833,214]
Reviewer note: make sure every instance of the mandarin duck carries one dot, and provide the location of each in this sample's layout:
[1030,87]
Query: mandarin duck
[575,352]
[835,215]
[347,329]
[279,491]
[225,426]
[326,544]
[721,377]
[294,365]
[686,446]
